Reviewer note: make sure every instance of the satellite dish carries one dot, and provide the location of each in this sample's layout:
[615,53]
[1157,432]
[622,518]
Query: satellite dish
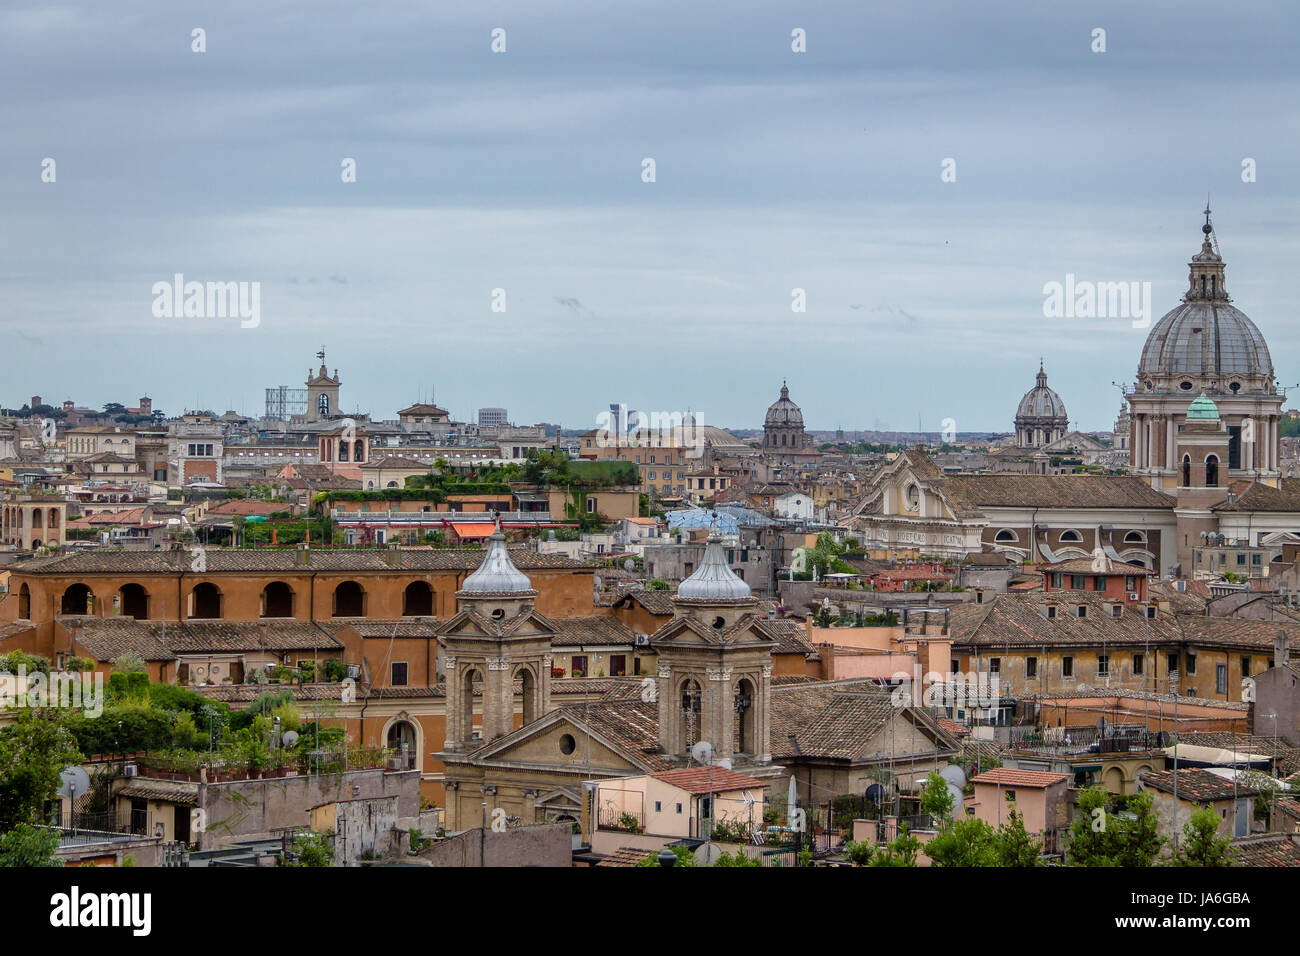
[875,793]
[629,565]
[73,778]
[954,791]
[954,775]
[290,738]
[706,854]
[702,752]
[724,763]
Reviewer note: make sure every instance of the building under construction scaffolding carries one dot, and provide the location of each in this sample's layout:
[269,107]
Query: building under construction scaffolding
[283,402]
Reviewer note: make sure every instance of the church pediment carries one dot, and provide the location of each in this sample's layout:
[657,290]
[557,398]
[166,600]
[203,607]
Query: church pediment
[560,743]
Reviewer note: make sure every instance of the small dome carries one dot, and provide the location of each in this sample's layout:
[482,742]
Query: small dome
[497,574]
[1040,401]
[1203,409]
[713,580]
[783,411]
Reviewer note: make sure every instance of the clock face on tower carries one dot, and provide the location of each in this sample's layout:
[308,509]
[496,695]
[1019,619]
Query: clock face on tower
[323,404]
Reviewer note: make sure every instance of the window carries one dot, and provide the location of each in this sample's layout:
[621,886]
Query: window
[1241,559]
[1117,611]
[1071,535]
[1099,583]
[1083,610]
[1137,664]
[1031,667]
[579,665]
[1078,582]
[679,808]
[1067,666]
[1245,667]
[617,665]
[1051,611]
[1191,664]
[1057,578]
[1220,678]
[399,674]
[652,476]
[567,744]
[995,665]
[1257,559]
[1103,665]
[1130,583]
[1006,536]
[659,807]
[591,503]
[1151,613]
[1172,662]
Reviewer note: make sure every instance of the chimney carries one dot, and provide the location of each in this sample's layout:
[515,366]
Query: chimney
[1281,649]
[303,558]
[393,556]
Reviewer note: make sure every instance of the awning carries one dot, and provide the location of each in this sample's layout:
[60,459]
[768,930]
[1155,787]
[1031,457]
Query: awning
[477,529]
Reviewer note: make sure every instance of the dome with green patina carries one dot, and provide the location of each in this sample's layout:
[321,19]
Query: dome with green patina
[1203,409]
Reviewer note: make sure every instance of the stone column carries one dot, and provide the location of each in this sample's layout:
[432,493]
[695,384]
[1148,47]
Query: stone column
[498,699]
[454,732]
[667,712]
[763,725]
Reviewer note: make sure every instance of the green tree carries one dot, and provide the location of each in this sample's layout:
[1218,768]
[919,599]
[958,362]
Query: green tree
[1201,843]
[26,845]
[966,842]
[33,751]
[1090,842]
[1100,835]
[1015,845]
[1139,832]
[858,852]
[900,851]
[936,799]
[310,849]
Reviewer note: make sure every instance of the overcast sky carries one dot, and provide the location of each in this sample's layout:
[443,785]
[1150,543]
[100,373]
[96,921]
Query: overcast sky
[522,171]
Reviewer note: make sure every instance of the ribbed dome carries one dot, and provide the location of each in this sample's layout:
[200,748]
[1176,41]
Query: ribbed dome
[783,411]
[1040,401]
[497,574]
[713,580]
[1206,336]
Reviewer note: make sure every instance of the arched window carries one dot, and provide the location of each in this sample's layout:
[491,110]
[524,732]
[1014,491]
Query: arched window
[54,518]
[1187,471]
[1135,537]
[1212,472]
[349,600]
[1006,536]
[417,600]
[36,519]
[134,601]
[403,741]
[344,448]
[77,599]
[690,704]
[205,601]
[1072,536]
[528,689]
[25,603]
[277,600]
[358,450]
[745,699]
[468,680]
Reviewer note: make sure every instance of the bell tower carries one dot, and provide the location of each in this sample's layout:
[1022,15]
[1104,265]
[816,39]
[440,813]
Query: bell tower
[322,391]
[715,666]
[494,639]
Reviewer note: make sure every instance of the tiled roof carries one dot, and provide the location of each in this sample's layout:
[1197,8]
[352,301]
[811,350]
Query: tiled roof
[185,796]
[1196,785]
[401,627]
[1102,565]
[625,856]
[585,631]
[708,780]
[839,721]
[288,560]
[105,638]
[1269,849]
[629,723]
[1262,497]
[1055,491]
[1008,777]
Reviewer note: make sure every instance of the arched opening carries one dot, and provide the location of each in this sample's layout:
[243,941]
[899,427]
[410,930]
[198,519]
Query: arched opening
[277,600]
[1071,535]
[468,680]
[77,599]
[25,603]
[746,733]
[344,449]
[54,518]
[402,740]
[1187,471]
[1212,472]
[358,451]
[690,704]
[134,601]
[349,600]
[417,600]
[1135,537]
[205,601]
[1006,536]
[528,686]
[37,523]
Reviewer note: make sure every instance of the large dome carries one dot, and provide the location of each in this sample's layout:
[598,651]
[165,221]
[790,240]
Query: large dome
[1206,338]
[783,411]
[1040,401]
